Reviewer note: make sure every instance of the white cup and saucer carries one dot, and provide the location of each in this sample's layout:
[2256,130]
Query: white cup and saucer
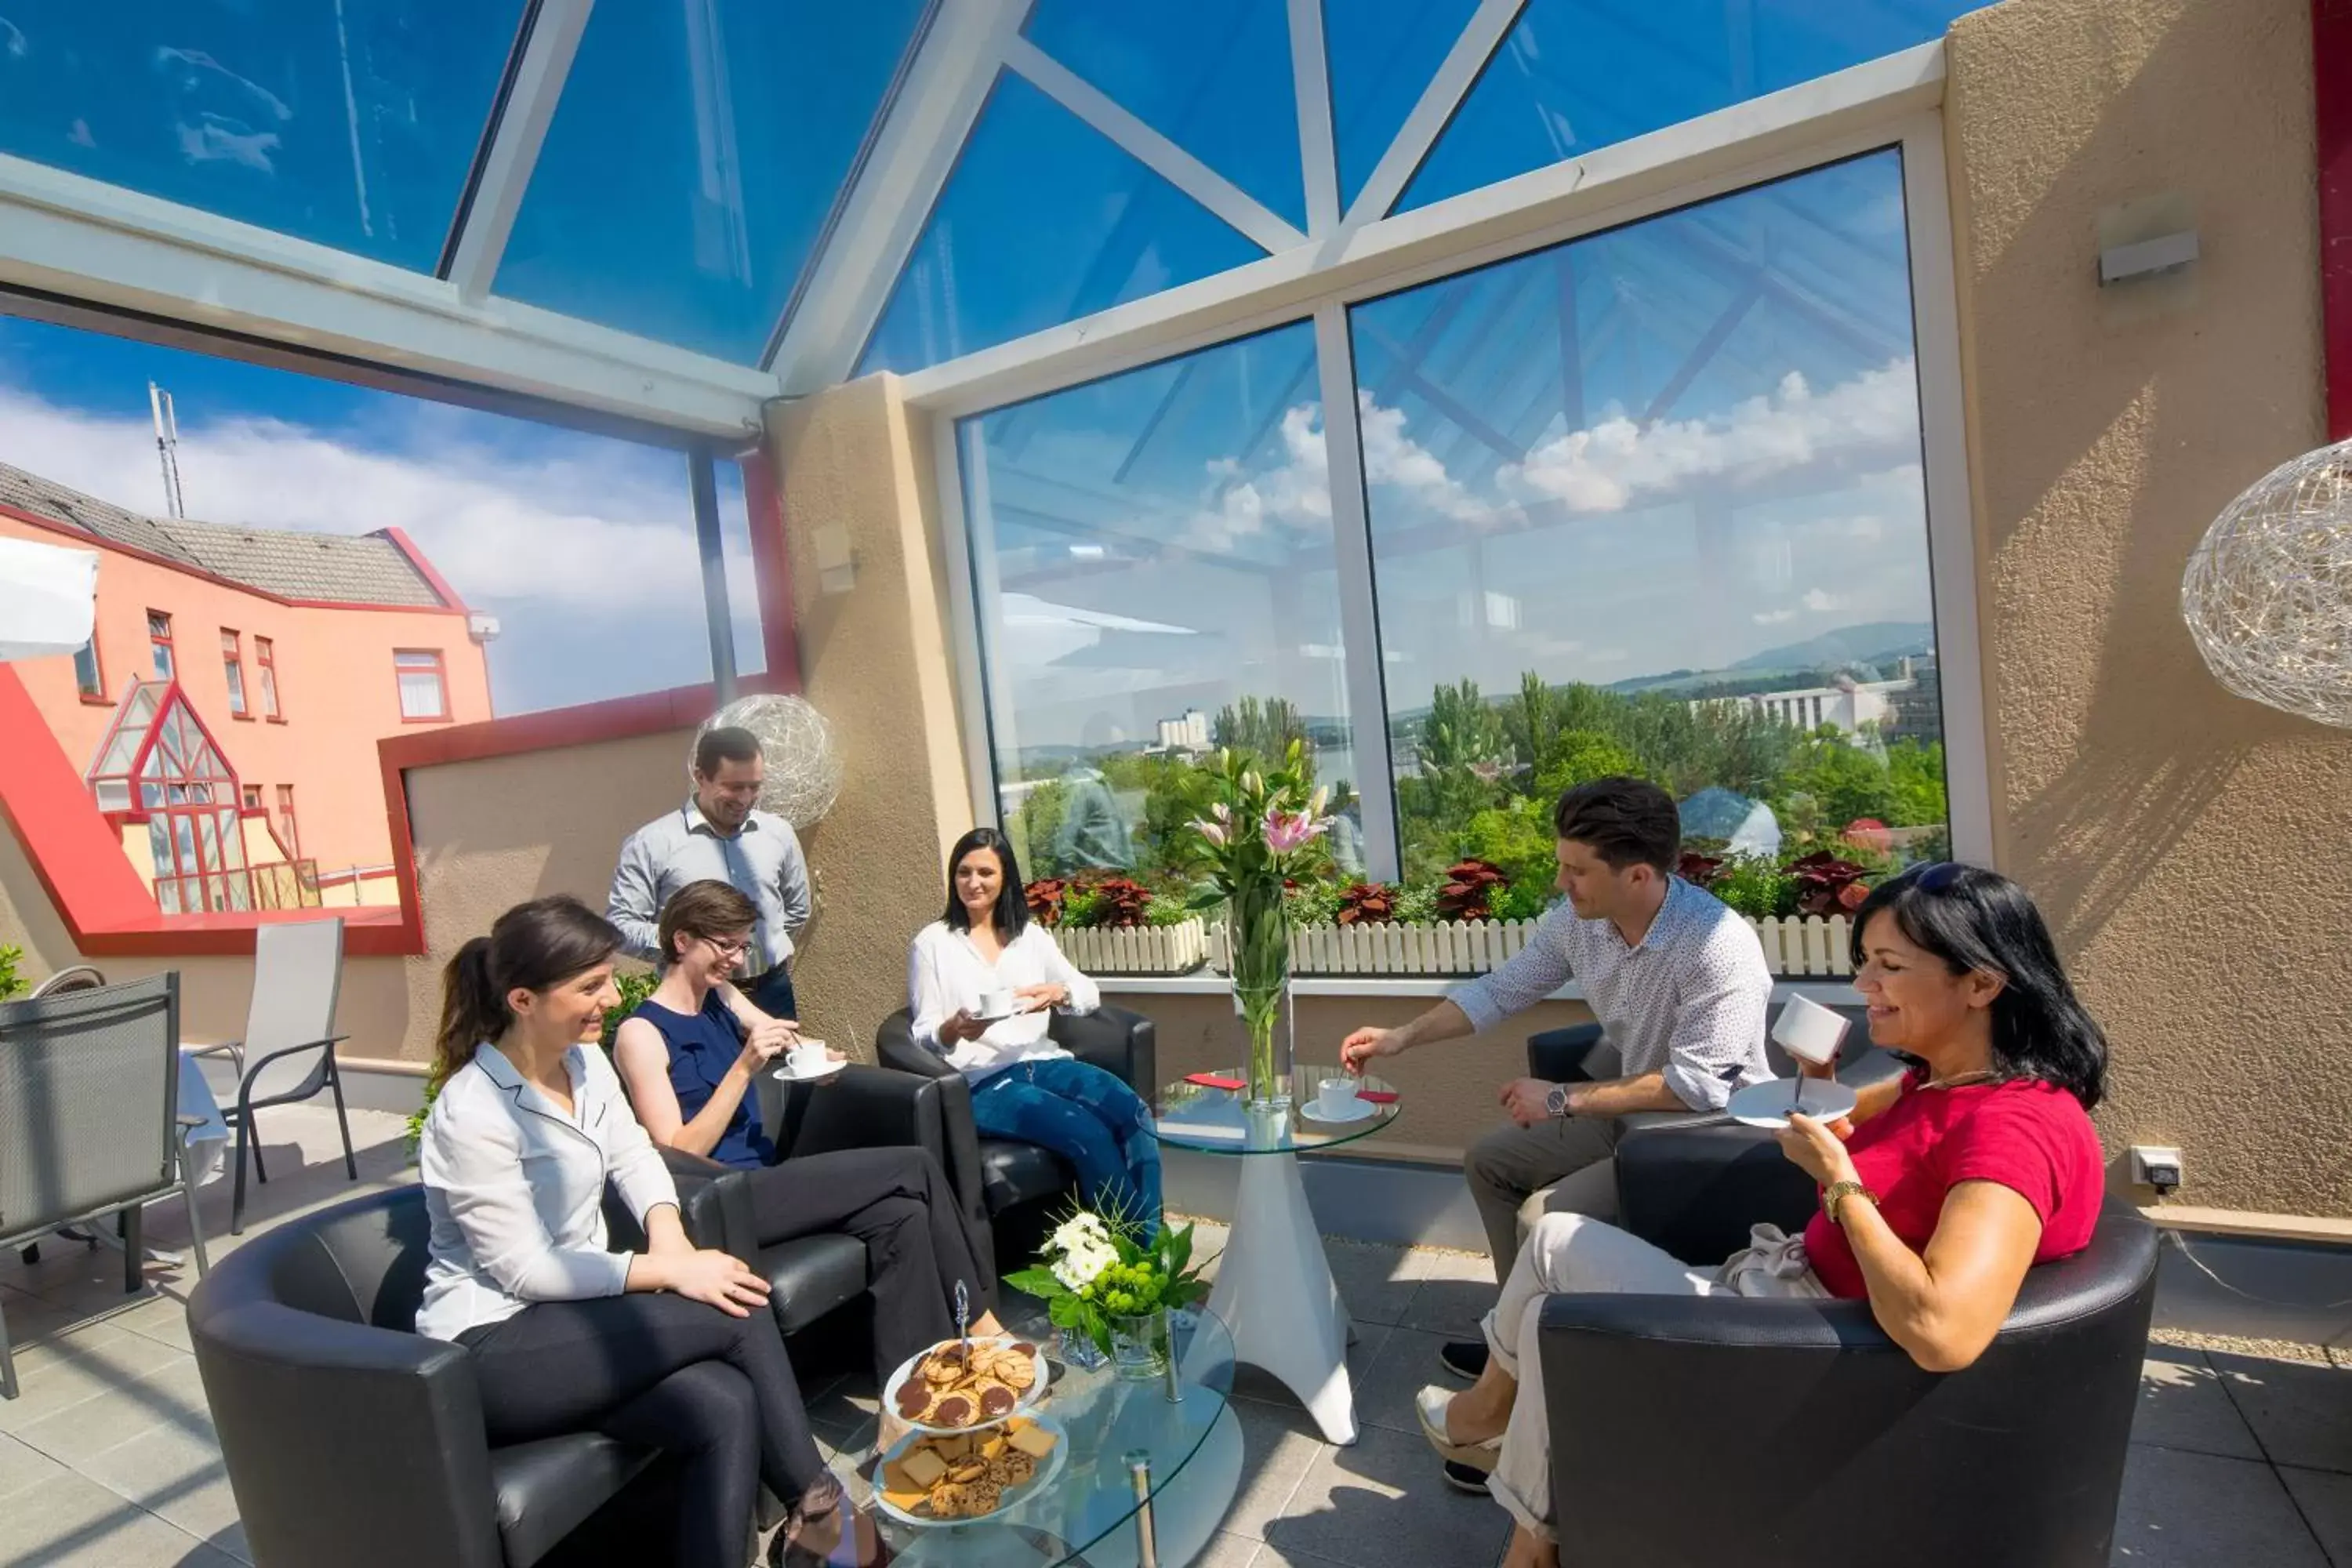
[1810,1033]
[1335,1100]
[808,1062]
[995,1005]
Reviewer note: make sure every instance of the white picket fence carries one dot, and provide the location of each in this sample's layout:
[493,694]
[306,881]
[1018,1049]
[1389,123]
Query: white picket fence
[1137,950]
[1806,945]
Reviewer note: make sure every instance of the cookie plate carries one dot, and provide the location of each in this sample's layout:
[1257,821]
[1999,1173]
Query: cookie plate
[1023,1398]
[1048,1468]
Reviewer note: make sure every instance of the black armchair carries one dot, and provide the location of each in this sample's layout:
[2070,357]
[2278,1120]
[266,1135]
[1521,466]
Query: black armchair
[1009,1190]
[352,1439]
[1784,1432]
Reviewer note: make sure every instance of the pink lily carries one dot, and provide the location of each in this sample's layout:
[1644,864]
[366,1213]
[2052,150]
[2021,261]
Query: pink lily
[1289,831]
[1211,832]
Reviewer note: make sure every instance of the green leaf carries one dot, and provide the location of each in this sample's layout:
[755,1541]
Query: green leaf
[1037,1281]
[1066,1311]
[1176,1247]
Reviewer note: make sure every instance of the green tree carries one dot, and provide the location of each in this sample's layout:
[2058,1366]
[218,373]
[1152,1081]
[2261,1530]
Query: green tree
[1033,826]
[1844,782]
[1461,731]
[1531,722]
[1917,772]
[1580,756]
[1266,728]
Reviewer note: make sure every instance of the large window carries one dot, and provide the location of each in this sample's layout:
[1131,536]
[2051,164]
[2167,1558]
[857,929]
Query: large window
[233,667]
[424,683]
[1153,557]
[264,659]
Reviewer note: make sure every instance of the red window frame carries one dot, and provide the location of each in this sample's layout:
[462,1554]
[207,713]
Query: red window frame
[232,671]
[264,659]
[440,671]
[160,654]
[292,834]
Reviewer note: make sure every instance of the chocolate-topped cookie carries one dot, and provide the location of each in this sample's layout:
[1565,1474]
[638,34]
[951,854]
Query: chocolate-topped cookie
[997,1400]
[1024,1348]
[955,1410]
[913,1399]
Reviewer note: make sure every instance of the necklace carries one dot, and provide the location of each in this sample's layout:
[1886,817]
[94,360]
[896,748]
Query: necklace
[1962,1081]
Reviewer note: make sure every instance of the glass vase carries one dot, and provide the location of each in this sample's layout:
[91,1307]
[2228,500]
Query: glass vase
[1078,1350]
[1139,1346]
[1261,936]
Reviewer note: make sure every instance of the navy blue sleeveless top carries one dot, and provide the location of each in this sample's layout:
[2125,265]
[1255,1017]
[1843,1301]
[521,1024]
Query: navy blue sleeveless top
[702,1047]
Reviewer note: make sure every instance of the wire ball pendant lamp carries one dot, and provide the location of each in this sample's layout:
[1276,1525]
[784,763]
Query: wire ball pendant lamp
[2268,592]
[803,770]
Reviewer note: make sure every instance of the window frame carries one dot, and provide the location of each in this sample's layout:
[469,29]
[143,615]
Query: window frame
[1883,104]
[240,704]
[440,671]
[92,696]
[288,828]
[265,661]
[160,642]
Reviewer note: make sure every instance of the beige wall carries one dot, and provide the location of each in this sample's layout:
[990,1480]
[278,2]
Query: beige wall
[2189,846]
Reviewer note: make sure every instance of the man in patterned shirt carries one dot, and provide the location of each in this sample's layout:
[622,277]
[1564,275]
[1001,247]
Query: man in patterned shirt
[1676,979]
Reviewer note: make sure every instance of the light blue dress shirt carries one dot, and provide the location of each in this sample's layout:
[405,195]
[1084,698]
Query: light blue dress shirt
[763,862]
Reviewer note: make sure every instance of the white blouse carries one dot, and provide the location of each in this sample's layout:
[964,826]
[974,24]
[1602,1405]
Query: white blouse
[515,1189]
[946,975]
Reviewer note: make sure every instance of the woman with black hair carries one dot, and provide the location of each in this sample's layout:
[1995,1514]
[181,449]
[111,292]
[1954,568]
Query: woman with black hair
[1939,1192]
[673,1347]
[984,949]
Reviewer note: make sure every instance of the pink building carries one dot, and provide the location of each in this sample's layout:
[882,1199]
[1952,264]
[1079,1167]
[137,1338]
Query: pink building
[292,654]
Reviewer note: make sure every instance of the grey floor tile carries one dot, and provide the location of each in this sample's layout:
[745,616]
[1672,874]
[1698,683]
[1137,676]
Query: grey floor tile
[1376,1282]
[74,1522]
[173,1473]
[1253,1382]
[172,1396]
[2325,1499]
[1227,1551]
[232,1542]
[1406,1365]
[21,1467]
[164,1319]
[2183,1405]
[1275,1557]
[105,1368]
[1456,1289]
[1348,1510]
[1279,1444]
[2199,1510]
[2300,1413]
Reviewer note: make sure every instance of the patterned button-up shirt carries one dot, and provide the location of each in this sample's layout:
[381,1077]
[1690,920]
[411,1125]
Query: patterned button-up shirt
[762,861]
[1689,1000]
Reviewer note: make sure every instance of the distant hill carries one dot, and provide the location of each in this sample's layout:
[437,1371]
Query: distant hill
[1878,642]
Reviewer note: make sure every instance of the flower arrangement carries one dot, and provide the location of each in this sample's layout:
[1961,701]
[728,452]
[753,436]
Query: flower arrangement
[1093,1268]
[1259,834]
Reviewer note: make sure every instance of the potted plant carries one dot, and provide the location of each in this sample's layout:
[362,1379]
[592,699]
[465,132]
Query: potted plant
[1108,1287]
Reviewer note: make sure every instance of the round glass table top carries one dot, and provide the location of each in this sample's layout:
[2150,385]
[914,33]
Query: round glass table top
[1199,1113]
[1178,1428]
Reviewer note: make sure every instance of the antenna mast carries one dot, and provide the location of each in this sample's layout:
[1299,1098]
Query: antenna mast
[167,448]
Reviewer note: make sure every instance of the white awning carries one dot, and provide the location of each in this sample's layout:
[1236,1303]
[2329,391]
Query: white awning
[48,597]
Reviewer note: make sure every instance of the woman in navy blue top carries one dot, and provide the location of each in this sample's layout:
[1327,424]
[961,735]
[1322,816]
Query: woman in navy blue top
[690,1055]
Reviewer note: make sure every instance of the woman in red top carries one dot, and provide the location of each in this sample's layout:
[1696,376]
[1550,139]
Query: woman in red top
[1937,1194]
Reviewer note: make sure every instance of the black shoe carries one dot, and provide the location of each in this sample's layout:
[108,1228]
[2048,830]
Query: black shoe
[1465,1478]
[1464,1358]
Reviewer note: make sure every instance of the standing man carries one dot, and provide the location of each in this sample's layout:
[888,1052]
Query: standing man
[720,834]
[1677,980]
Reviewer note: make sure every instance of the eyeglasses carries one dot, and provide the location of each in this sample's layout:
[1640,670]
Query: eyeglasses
[729,950]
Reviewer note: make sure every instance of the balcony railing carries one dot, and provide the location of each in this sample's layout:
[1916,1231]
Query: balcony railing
[279,885]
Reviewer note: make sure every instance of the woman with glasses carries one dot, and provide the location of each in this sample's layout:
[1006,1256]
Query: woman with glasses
[1939,1192]
[690,1055]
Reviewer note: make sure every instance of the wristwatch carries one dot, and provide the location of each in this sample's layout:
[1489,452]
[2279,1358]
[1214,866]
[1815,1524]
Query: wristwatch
[1556,1100]
[1838,1191]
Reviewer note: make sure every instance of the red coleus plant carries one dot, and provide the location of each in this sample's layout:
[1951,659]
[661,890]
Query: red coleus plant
[1469,884]
[1700,869]
[1045,895]
[1367,903]
[1122,902]
[1827,885]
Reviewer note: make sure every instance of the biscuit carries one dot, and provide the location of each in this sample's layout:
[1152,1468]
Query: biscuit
[1033,1441]
[914,1398]
[996,1400]
[921,1467]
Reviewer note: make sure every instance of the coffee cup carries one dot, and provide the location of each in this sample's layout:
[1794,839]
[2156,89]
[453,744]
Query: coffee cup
[995,1003]
[1335,1097]
[1809,1031]
[807,1057]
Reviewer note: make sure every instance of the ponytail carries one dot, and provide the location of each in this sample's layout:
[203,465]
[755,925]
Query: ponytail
[535,946]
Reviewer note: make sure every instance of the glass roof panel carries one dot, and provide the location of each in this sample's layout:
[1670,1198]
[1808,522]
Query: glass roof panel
[1211,75]
[694,160]
[353,124]
[1575,75]
[1380,55]
[1043,221]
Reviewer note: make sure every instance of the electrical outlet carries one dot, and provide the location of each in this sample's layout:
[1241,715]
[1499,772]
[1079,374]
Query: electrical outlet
[2153,1166]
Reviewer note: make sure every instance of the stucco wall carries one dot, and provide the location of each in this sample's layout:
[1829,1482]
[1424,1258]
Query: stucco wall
[2187,845]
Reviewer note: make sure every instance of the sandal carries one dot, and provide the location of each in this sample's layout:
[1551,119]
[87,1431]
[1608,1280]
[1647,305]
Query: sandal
[1430,1405]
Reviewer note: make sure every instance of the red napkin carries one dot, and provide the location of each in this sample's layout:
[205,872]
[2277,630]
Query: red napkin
[1210,1080]
[1377,1096]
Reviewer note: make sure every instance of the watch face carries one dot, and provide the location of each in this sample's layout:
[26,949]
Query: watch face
[1556,1101]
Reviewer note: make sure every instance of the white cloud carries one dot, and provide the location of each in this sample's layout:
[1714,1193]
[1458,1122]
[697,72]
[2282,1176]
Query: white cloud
[1619,463]
[1773,617]
[1820,603]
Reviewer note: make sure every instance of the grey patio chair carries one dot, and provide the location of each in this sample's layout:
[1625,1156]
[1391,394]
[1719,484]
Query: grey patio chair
[289,1039]
[89,1118]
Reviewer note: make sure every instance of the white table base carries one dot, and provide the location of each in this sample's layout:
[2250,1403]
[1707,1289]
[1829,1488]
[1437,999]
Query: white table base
[1275,1290]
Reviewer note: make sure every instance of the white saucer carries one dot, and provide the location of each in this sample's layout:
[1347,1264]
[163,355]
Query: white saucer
[1766,1104]
[829,1069]
[1312,1111]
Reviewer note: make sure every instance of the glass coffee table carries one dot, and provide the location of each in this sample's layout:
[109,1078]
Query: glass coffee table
[1147,1472]
[1274,1284]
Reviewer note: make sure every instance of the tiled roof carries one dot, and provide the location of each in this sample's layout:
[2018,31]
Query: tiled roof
[339,568]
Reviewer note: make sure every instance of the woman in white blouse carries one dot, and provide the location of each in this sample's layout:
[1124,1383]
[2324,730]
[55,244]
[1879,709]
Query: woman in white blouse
[1023,1086]
[673,1347]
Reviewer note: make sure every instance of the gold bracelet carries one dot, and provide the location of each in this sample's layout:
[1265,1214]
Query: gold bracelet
[1837,1192]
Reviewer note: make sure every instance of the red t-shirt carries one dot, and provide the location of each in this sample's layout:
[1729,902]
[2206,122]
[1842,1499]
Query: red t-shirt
[2034,1139]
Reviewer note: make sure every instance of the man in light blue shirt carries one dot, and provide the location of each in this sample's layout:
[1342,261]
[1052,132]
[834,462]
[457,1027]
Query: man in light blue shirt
[720,834]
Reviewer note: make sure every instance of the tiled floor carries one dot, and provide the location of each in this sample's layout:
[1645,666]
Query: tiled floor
[108,1458]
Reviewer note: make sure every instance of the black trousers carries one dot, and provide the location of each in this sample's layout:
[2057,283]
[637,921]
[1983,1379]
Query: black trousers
[715,1391]
[895,1201]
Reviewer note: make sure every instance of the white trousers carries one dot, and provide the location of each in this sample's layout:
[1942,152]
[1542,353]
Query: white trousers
[1575,1253]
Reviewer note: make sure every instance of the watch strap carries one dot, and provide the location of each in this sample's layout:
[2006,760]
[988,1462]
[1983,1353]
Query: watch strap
[1837,1193]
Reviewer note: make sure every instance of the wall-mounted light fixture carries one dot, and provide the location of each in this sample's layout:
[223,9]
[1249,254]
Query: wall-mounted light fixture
[836,563]
[2147,257]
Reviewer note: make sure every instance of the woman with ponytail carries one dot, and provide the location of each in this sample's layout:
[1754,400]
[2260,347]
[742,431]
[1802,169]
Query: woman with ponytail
[672,1347]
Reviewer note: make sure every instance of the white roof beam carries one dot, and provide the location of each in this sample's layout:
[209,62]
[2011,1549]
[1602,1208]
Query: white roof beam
[514,143]
[1318,159]
[1480,37]
[894,189]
